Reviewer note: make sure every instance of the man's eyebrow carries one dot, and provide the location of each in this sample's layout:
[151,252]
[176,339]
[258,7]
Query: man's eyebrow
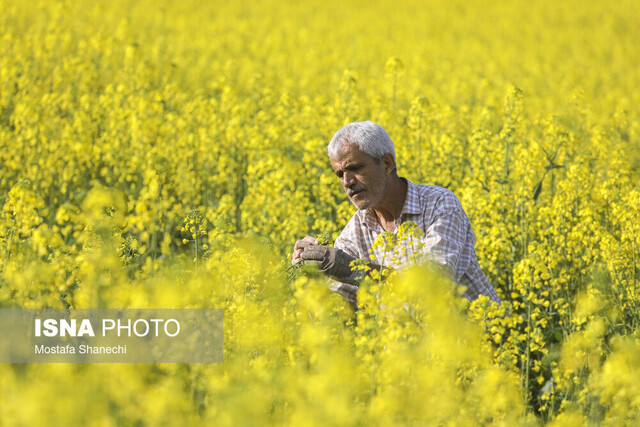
[349,167]
[353,165]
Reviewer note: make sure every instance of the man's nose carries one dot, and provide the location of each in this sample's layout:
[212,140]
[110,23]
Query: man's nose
[347,179]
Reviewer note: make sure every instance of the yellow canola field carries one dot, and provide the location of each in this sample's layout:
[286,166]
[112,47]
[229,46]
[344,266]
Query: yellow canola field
[168,154]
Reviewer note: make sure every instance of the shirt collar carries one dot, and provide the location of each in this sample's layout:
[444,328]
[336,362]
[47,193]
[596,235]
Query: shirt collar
[411,206]
[412,201]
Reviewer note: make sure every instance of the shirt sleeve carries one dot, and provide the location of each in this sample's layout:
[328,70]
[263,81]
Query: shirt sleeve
[445,240]
[344,244]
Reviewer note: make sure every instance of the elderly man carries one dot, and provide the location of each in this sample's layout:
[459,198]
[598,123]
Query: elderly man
[363,157]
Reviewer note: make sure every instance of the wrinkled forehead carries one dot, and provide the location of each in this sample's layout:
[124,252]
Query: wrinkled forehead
[347,153]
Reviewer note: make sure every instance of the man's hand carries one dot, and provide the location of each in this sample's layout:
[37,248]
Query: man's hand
[333,262]
[299,246]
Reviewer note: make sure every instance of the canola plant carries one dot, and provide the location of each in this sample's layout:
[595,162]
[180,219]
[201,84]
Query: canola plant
[168,155]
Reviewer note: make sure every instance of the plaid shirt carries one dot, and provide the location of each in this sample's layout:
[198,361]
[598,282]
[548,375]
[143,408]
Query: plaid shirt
[448,241]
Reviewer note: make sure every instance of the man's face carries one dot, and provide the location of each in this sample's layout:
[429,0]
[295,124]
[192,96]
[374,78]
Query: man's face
[363,179]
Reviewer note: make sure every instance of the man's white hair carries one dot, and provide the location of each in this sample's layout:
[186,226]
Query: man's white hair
[368,136]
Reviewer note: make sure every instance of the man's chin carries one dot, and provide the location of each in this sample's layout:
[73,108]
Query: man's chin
[361,205]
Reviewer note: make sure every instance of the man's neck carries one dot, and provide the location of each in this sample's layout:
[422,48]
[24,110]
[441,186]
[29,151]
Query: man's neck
[391,208]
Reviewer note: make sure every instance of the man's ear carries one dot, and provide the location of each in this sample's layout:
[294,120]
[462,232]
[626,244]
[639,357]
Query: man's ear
[389,163]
